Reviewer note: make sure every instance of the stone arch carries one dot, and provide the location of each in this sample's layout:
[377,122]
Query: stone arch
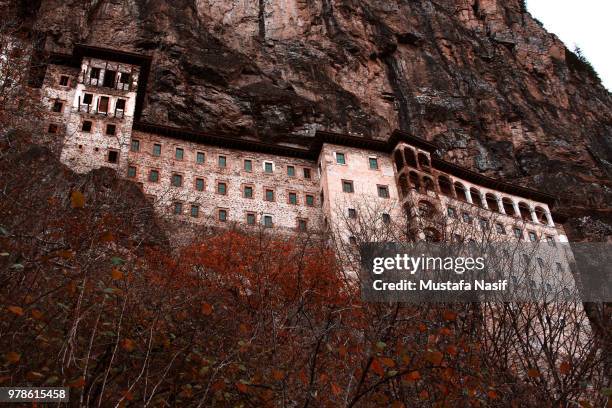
[399,160]
[432,235]
[415,182]
[428,184]
[460,191]
[424,162]
[541,215]
[476,197]
[410,157]
[525,211]
[492,202]
[508,206]
[446,187]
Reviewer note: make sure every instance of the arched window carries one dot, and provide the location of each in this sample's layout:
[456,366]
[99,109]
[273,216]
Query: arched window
[426,209]
[492,202]
[446,187]
[432,235]
[525,211]
[460,191]
[424,162]
[410,157]
[476,197]
[508,207]
[403,182]
[414,180]
[541,215]
[399,160]
[428,184]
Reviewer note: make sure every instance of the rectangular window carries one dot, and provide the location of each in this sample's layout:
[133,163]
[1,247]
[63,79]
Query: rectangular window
[113,156]
[178,208]
[222,161]
[340,159]
[484,224]
[109,78]
[53,128]
[248,165]
[467,218]
[111,129]
[250,218]
[291,171]
[347,186]
[154,176]
[103,104]
[302,224]
[518,233]
[532,236]
[268,167]
[87,99]
[309,200]
[500,229]
[293,198]
[157,149]
[57,106]
[269,195]
[86,127]
[131,172]
[195,210]
[124,78]
[199,184]
[222,188]
[306,173]
[551,241]
[94,73]
[63,80]
[177,180]
[248,192]
[373,163]
[451,212]
[222,215]
[267,221]
[383,191]
[120,105]
[386,218]
[135,146]
[352,213]
[179,153]
[200,157]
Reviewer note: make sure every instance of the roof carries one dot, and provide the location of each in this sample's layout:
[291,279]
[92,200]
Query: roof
[314,144]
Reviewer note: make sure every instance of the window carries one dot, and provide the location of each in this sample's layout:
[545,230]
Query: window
[309,200]
[484,224]
[373,163]
[57,106]
[532,236]
[302,224]
[154,176]
[467,218]
[195,210]
[222,215]
[383,191]
[222,161]
[267,221]
[124,78]
[248,165]
[222,188]
[103,104]
[53,128]
[157,149]
[292,198]
[135,147]
[269,195]
[250,218]
[113,156]
[306,173]
[109,78]
[111,129]
[347,186]
[120,105]
[86,127]
[199,185]
[451,212]
[131,172]
[353,240]
[247,192]
[200,157]
[63,80]
[178,208]
[94,73]
[268,167]
[386,218]
[179,153]
[340,159]
[87,99]
[518,233]
[551,241]
[352,213]
[177,180]
[500,228]
[291,171]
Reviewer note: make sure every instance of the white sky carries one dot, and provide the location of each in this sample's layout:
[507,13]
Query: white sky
[586,23]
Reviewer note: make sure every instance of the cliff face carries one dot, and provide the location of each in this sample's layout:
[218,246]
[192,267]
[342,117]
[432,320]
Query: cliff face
[480,77]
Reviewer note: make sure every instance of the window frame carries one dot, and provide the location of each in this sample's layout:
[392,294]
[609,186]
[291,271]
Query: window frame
[225,213]
[176,153]
[219,184]
[307,170]
[108,156]
[249,214]
[265,167]
[157,172]
[203,155]
[385,188]
[135,171]
[178,204]
[375,158]
[180,178]
[312,204]
[67,78]
[90,126]
[153,152]
[348,183]
[132,145]
[197,211]
[244,190]
[343,155]
[292,194]
[113,126]
[266,190]
[290,171]
[195,184]
[264,218]
[221,158]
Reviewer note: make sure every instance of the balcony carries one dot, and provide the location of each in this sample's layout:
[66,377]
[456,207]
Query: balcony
[92,110]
